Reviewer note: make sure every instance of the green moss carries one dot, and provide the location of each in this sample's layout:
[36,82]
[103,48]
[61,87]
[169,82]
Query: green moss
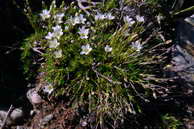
[110,4]
[170,122]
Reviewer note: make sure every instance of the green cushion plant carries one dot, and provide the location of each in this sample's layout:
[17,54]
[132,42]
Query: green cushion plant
[93,56]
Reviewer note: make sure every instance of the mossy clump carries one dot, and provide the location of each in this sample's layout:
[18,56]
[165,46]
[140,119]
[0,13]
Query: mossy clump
[94,56]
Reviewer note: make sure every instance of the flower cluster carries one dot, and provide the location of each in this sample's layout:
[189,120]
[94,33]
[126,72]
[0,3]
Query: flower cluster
[130,21]
[84,30]
[94,56]
[54,36]
[91,50]
[53,39]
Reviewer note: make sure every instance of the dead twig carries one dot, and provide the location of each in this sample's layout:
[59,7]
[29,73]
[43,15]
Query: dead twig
[92,4]
[8,113]
[107,78]
[38,51]
[138,94]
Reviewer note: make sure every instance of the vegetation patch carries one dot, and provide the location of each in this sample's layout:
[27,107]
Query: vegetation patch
[104,58]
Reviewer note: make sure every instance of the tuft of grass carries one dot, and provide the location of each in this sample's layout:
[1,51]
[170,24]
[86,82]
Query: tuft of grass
[109,84]
[27,56]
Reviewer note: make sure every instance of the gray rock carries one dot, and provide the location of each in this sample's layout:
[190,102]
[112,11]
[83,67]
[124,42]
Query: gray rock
[21,127]
[189,124]
[84,123]
[46,120]
[34,97]
[2,117]
[183,53]
[16,115]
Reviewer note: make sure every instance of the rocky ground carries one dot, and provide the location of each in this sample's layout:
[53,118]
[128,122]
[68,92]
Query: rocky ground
[32,109]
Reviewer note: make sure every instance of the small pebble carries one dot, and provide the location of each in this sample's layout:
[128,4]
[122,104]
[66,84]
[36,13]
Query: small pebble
[34,97]
[2,115]
[16,114]
[46,119]
[84,123]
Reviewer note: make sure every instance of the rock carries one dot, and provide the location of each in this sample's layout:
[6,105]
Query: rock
[84,123]
[34,97]
[34,112]
[21,127]
[178,4]
[46,120]
[183,53]
[16,115]
[2,117]
[189,124]
[1,123]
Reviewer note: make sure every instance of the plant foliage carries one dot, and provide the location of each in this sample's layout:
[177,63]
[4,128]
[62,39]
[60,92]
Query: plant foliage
[94,56]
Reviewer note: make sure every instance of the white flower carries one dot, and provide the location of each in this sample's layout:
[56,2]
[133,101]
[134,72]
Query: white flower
[88,23]
[35,43]
[53,43]
[85,49]
[66,27]
[128,20]
[83,32]
[109,16]
[108,48]
[99,16]
[48,89]
[192,16]
[136,45]
[139,18]
[57,31]
[58,53]
[82,19]
[78,20]
[73,21]
[45,14]
[49,36]
[58,18]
